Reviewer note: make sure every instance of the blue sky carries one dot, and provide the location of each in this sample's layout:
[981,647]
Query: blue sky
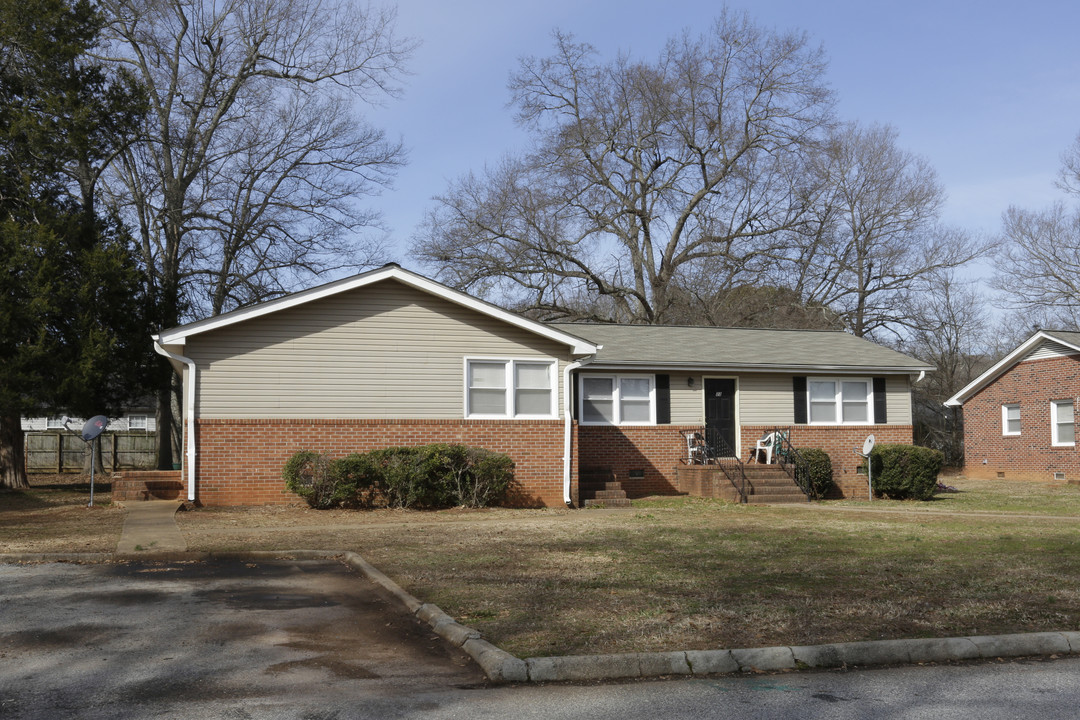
[988,92]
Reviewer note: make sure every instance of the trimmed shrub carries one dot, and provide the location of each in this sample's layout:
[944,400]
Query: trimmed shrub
[430,476]
[821,478]
[905,471]
[308,474]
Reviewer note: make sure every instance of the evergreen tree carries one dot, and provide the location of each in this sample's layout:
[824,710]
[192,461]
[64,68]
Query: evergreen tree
[73,330]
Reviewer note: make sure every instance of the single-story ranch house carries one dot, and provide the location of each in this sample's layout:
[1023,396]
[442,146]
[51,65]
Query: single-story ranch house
[1019,416]
[390,357]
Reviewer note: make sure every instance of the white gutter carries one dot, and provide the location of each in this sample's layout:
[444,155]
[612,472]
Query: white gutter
[568,415]
[189,414]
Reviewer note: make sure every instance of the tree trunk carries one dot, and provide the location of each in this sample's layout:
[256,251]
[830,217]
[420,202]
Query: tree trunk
[12,460]
[164,424]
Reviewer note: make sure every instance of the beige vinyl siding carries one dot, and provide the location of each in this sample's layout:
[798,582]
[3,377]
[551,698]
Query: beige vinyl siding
[382,351]
[687,405]
[768,399]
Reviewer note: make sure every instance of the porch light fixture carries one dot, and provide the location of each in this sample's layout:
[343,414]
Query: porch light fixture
[690,381]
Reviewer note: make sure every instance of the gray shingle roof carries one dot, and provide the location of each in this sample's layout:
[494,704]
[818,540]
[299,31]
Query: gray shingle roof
[744,348]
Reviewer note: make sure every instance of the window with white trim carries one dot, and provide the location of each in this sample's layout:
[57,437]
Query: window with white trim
[1010,419]
[54,423]
[617,400]
[509,388]
[136,422]
[1062,423]
[840,401]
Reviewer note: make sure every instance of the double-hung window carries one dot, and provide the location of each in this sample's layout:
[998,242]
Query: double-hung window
[1062,423]
[509,388]
[136,422]
[840,401]
[617,400]
[1010,419]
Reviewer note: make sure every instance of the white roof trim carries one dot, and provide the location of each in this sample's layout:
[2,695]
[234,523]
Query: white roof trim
[178,335]
[1004,364]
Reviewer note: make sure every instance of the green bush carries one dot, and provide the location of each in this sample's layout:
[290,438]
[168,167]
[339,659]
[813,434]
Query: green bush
[308,474]
[820,464]
[430,476]
[905,471]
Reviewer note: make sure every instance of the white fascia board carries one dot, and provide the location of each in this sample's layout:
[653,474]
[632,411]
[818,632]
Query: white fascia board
[177,335]
[691,367]
[1004,364]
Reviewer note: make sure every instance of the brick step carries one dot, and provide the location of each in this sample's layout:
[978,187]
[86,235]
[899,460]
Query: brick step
[587,486]
[775,489]
[608,503]
[777,499]
[606,494]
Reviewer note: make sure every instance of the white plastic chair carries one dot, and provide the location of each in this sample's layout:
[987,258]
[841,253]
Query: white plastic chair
[765,446]
[695,448]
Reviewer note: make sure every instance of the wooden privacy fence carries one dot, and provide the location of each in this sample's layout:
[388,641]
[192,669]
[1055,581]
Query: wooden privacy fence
[52,452]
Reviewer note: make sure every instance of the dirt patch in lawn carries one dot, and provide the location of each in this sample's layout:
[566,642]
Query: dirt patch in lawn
[52,516]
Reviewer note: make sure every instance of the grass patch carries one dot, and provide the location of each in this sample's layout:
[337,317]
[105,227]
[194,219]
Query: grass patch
[688,573]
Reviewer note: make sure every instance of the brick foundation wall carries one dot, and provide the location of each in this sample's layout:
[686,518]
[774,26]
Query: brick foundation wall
[653,450]
[1028,456]
[133,485]
[839,442]
[239,461]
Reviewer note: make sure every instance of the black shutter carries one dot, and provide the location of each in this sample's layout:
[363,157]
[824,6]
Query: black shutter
[663,399]
[798,384]
[880,417]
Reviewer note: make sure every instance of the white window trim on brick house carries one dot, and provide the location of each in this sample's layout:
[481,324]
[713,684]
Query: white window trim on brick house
[1005,420]
[837,403]
[1056,423]
[510,389]
[620,401]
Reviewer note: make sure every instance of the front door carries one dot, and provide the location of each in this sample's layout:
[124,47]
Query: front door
[720,411]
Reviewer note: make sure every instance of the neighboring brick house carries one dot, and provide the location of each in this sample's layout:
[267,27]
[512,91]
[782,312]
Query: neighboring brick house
[1019,415]
[390,357]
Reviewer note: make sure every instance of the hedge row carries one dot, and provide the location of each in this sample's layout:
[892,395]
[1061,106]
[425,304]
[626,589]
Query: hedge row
[430,476]
[905,471]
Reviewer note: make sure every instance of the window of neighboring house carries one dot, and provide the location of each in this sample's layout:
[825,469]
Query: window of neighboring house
[54,423]
[509,388]
[840,401]
[136,422]
[1063,427]
[617,400]
[1010,419]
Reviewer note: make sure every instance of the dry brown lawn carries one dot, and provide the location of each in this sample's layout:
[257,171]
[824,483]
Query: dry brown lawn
[684,573]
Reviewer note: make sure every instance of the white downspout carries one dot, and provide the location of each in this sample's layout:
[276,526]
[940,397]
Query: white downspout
[568,416]
[189,415]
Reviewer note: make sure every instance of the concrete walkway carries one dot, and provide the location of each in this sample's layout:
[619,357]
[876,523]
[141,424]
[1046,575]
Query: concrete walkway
[150,526]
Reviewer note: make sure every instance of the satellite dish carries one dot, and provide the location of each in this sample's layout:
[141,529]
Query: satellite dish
[868,444]
[94,427]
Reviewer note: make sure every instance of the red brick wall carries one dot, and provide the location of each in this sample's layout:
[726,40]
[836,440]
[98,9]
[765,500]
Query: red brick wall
[239,461]
[839,442]
[655,450]
[1028,456]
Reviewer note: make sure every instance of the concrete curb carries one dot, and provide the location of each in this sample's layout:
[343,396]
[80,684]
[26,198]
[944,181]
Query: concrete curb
[502,667]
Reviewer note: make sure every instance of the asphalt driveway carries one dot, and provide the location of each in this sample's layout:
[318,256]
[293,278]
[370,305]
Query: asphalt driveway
[257,637]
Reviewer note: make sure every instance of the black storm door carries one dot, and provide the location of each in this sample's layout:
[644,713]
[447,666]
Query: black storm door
[720,410]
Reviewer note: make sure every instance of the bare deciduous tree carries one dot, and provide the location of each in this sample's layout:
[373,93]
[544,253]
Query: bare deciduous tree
[875,240]
[642,170]
[952,335]
[249,172]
